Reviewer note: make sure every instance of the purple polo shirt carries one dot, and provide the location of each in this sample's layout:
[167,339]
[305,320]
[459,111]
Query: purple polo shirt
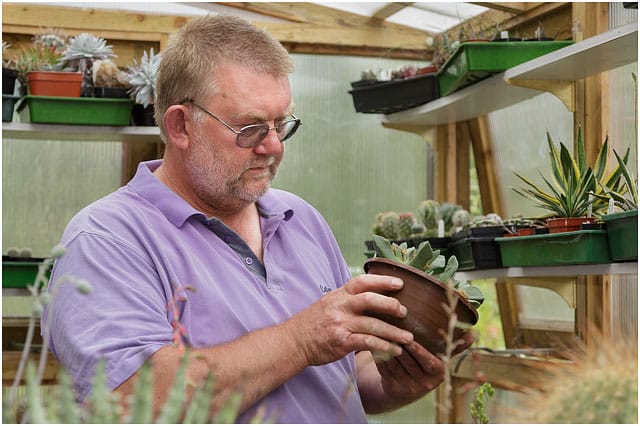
[140,245]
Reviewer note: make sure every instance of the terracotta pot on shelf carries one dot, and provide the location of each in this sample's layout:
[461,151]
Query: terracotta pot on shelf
[567,224]
[424,296]
[54,83]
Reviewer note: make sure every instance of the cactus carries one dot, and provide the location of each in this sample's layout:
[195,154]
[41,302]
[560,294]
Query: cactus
[600,385]
[447,210]
[390,225]
[429,212]
[405,225]
[460,219]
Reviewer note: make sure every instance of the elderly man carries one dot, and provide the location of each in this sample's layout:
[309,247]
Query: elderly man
[274,313]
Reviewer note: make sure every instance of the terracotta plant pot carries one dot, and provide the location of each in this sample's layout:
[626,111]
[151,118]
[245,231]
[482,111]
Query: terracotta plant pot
[424,296]
[54,83]
[567,224]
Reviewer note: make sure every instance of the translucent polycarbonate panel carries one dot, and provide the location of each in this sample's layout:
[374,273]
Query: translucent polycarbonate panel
[624,306]
[519,141]
[345,163]
[540,305]
[45,182]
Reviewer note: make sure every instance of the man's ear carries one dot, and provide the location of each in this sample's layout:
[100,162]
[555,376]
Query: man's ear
[178,125]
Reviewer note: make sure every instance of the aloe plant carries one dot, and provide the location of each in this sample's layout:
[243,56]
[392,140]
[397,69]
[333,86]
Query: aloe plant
[431,262]
[573,181]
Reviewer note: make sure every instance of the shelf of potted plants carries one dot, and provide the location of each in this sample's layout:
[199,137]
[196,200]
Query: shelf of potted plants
[613,48]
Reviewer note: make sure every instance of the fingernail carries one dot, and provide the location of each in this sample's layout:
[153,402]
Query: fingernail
[396,282]
[407,336]
[403,311]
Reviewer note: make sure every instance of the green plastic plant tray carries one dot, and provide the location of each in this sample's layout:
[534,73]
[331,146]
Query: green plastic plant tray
[87,111]
[622,235]
[562,248]
[475,61]
[19,273]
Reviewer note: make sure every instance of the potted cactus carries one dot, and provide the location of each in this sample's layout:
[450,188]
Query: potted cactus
[142,78]
[427,278]
[108,80]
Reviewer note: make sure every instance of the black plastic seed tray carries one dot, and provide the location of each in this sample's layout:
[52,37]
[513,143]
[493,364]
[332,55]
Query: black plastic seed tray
[386,97]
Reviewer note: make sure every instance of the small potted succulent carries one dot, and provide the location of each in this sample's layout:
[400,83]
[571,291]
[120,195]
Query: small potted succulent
[40,67]
[109,81]
[427,278]
[142,78]
[80,54]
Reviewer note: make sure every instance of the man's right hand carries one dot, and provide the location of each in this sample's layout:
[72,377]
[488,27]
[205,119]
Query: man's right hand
[338,323]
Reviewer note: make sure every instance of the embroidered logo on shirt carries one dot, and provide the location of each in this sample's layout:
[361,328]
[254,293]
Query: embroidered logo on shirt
[324,289]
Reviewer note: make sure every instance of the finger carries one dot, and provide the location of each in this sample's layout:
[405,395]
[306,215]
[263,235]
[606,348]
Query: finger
[381,329]
[376,303]
[368,342]
[375,283]
[466,340]
[422,361]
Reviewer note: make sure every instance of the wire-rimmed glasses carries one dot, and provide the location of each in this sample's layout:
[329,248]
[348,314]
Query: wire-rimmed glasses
[252,135]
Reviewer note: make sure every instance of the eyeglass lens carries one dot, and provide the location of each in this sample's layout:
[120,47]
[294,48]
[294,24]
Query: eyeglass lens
[252,135]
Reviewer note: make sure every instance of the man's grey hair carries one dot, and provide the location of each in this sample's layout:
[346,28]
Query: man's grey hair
[187,69]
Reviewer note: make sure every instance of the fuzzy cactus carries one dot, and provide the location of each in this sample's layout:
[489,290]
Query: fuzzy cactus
[429,212]
[600,385]
[447,210]
[405,225]
[460,218]
[390,224]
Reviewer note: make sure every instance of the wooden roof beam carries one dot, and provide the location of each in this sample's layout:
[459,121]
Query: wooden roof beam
[509,7]
[390,9]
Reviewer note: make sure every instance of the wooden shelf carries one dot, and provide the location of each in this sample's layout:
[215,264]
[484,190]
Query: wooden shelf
[136,134]
[551,271]
[551,72]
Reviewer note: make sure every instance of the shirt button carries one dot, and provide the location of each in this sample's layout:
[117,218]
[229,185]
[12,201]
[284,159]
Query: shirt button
[249,260]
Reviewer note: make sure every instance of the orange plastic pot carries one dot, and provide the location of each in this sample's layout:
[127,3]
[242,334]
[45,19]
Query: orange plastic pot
[54,83]
[567,224]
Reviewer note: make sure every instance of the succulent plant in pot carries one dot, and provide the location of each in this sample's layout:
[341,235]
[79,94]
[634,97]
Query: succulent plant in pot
[427,280]
[109,81]
[142,78]
[574,186]
[80,54]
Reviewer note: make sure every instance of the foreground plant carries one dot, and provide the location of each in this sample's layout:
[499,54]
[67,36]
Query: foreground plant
[431,262]
[103,405]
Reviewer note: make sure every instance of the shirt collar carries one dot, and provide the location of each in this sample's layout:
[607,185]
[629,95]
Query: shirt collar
[178,211]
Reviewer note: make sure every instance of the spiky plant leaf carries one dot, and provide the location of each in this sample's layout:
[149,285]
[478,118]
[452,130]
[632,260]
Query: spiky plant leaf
[173,406]
[200,406]
[229,412]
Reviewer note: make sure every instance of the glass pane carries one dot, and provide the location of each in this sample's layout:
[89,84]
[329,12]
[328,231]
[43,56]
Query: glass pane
[345,163]
[45,182]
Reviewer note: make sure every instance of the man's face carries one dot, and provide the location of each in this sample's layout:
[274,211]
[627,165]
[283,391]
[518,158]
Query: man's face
[222,174]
